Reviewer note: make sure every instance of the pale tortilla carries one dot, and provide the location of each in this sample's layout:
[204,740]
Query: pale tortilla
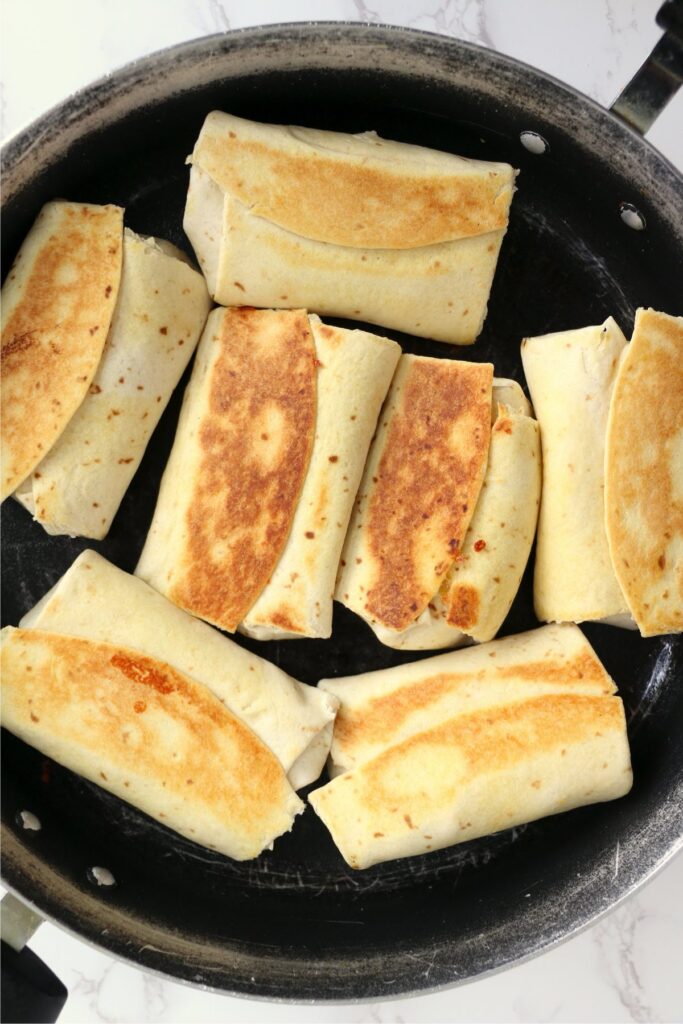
[483,582]
[419,489]
[97,601]
[160,311]
[57,304]
[644,474]
[148,734]
[238,464]
[354,372]
[571,376]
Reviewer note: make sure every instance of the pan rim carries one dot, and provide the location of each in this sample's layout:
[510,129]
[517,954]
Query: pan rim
[21,139]
[145,963]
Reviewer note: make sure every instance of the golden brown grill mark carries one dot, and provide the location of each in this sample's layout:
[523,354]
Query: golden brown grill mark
[494,739]
[107,689]
[644,474]
[246,488]
[463,606]
[364,206]
[286,619]
[383,716]
[140,670]
[19,343]
[428,479]
[48,337]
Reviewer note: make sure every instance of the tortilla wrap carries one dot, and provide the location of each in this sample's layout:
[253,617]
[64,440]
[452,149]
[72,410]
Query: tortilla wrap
[379,709]
[354,372]
[57,304]
[418,492]
[348,225]
[571,376]
[148,734]
[474,599]
[161,309]
[644,474]
[238,464]
[97,601]
[462,745]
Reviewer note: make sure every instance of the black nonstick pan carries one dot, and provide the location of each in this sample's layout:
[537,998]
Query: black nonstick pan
[596,229]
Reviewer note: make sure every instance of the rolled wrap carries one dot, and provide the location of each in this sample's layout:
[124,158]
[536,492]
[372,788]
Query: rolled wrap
[644,473]
[419,489]
[354,372]
[471,742]
[475,597]
[148,734]
[97,601]
[571,376]
[160,311]
[57,304]
[278,484]
[348,225]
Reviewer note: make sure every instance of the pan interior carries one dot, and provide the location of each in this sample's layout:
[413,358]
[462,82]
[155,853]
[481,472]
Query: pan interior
[568,260]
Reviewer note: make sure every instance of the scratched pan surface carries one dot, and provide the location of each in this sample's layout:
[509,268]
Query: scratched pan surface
[297,923]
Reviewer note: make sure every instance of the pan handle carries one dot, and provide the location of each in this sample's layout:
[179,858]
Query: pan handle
[30,991]
[659,78]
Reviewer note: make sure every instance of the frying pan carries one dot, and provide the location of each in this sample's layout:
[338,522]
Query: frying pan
[297,923]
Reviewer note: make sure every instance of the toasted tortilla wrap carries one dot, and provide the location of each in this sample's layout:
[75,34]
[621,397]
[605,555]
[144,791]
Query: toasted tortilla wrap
[238,464]
[148,734]
[571,376]
[475,597]
[57,304]
[354,373]
[419,489]
[644,474]
[348,225]
[161,309]
[97,601]
[379,709]
[462,745]
[477,774]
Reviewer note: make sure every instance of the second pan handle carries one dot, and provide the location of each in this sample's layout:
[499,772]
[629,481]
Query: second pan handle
[30,992]
[659,78]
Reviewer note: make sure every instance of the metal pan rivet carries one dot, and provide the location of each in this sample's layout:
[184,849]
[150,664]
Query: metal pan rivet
[100,876]
[28,821]
[534,142]
[632,216]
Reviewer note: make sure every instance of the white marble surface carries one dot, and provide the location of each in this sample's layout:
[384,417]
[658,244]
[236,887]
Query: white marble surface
[628,966]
